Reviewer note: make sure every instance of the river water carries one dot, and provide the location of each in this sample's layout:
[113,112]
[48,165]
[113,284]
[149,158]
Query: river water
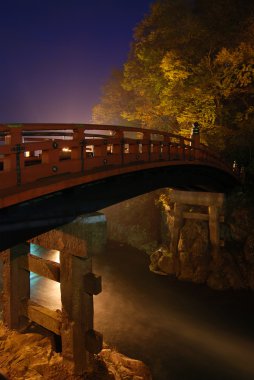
[180,330]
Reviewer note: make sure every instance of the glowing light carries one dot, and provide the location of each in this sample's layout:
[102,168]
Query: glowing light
[27,154]
[66,150]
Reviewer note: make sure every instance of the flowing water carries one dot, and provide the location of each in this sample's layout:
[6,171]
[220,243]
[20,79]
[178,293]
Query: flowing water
[180,330]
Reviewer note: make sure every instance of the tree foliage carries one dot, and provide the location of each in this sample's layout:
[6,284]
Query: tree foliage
[190,61]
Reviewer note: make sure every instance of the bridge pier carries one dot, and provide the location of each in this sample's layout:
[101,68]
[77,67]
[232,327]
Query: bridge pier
[74,322]
[211,204]
[16,284]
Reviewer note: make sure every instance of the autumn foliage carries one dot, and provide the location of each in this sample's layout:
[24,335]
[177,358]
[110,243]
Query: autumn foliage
[190,61]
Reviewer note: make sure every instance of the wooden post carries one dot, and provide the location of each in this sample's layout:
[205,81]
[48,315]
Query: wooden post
[178,222]
[78,285]
[78,137]
[77,311]
[16,284]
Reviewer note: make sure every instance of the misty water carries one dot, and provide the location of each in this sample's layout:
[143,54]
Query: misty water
[182,331]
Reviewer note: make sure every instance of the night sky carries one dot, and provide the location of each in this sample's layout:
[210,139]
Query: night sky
[57,54]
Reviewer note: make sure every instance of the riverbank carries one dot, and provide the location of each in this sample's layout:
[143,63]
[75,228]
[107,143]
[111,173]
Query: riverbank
[30,356]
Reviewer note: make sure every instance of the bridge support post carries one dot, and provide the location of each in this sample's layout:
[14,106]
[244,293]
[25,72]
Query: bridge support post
[16,284]
[77,311]
[77,285]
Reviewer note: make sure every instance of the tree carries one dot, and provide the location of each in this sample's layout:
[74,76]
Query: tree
[113,102]
[191,61]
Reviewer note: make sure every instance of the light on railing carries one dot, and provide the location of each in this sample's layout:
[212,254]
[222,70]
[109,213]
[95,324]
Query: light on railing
[66,150]
[27,154]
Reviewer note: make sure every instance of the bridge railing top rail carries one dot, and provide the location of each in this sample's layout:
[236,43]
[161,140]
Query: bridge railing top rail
[87,128]
[24,133]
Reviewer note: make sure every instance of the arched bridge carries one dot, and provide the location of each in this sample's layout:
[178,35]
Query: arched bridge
[50,173]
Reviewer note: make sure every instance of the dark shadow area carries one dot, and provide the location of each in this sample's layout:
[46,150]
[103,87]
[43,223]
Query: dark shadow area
[28,219]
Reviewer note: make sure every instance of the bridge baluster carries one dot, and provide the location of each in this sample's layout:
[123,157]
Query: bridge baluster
[182,149]
[100,150]
[119,145]
[51,157]
[146,147]
[134,151]
[77,152]
[155,150]
[14,161]
[166,148]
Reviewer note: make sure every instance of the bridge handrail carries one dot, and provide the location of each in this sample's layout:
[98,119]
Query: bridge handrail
[29,152]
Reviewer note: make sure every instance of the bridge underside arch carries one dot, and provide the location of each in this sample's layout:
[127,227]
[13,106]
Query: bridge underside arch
[28,219]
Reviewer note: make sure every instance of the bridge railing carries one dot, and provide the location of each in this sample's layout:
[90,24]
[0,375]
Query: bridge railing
[30,152]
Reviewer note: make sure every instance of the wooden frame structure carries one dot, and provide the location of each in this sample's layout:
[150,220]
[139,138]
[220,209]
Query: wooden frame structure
[74,323]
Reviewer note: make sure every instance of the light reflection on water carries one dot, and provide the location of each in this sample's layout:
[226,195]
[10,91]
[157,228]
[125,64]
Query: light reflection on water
[180,330]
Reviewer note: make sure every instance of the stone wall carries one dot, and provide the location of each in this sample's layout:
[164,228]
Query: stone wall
[136,222]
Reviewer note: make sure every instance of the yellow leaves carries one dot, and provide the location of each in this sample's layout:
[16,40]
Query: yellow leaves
[235,69]
[233,57]
[174,69]
[200,106]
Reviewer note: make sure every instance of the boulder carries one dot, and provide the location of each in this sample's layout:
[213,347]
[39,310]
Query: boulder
[124,368]
[166,263]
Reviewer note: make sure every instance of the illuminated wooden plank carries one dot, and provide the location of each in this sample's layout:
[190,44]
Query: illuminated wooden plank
[49,319]
[42,267]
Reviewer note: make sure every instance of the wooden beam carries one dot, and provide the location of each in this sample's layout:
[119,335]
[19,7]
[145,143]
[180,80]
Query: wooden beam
[43,267]
[197,198]
[16,284]
[63,239]
[199,216]
[49,319]
[195,215]
[92,284]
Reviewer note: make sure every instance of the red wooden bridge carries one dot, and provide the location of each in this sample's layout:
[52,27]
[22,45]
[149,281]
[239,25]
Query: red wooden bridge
[51,173]
[38,159]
